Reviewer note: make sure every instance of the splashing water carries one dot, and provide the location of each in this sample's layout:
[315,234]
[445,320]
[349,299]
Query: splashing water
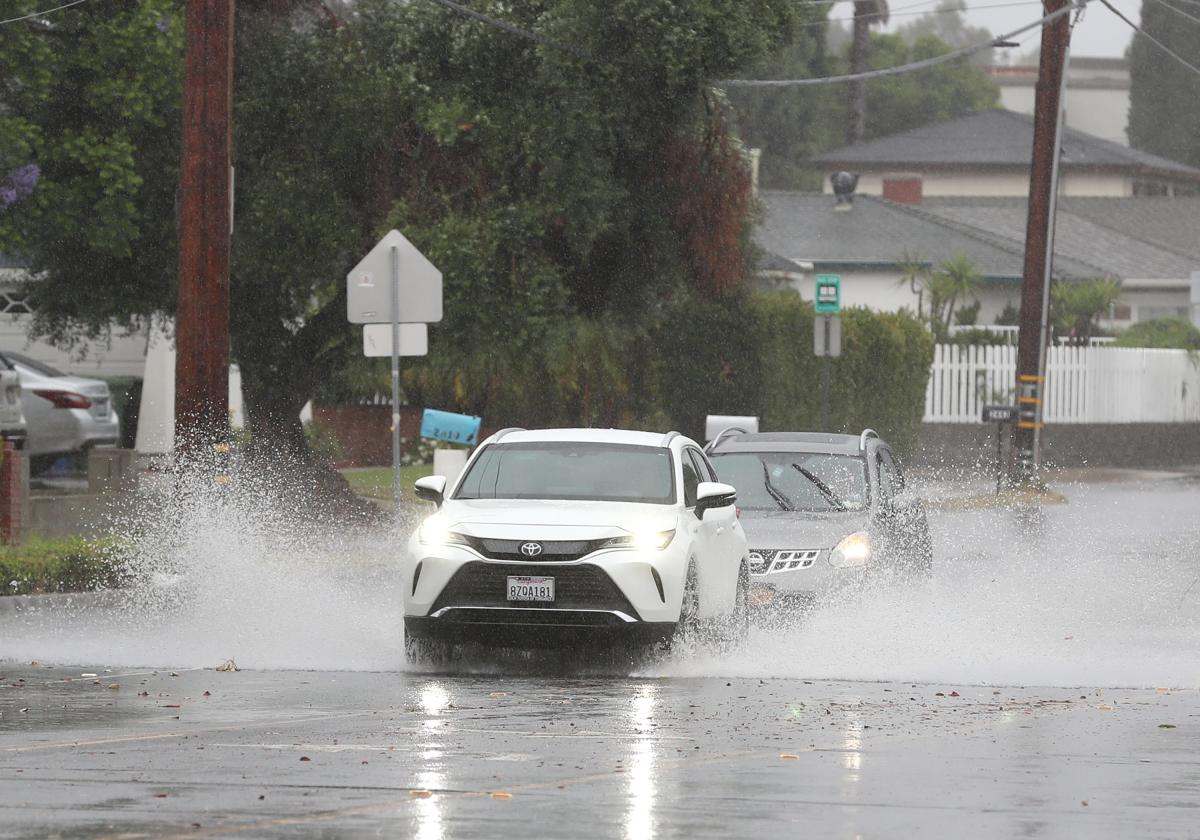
[1101,592]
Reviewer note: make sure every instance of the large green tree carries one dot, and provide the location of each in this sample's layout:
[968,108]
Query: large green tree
[1164,96]
[546,183]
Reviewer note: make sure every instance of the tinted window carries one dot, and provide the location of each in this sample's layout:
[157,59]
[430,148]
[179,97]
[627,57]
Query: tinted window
[33,364]
[602,472]
[703,468]
[777,480]
[691,480]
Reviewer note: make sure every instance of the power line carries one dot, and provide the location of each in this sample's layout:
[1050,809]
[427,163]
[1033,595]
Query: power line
[43,12]
[909,67]
[1152,39]
[507,27]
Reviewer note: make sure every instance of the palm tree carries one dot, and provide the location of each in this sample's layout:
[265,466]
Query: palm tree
[956,279]
[867,13]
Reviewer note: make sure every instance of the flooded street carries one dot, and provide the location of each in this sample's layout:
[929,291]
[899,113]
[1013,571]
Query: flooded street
[1044,684]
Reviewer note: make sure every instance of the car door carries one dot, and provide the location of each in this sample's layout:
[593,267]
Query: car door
[721,526]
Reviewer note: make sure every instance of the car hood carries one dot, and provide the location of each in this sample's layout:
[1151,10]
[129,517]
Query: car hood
[801,529]
[521,519]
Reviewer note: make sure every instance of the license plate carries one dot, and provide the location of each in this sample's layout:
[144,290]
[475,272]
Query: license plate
[529,588]
[101,407]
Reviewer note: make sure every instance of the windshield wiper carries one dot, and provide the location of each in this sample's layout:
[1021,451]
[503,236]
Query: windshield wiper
[780,499]
[831,497]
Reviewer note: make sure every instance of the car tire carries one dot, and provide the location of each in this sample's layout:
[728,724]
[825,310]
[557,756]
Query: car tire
[739,618]
[688,625]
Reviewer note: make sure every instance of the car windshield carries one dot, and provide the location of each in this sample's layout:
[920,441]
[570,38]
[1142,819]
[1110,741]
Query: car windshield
[794,480]
[602,472]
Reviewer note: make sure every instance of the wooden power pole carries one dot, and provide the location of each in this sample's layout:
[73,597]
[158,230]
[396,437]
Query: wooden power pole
[205,221]
[1056,35]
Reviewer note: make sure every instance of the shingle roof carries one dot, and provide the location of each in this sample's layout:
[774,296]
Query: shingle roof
[1102,232]
[996,139]
[804,227]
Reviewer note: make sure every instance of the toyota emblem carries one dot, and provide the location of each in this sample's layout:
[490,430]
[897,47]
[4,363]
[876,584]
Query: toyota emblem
[531,549]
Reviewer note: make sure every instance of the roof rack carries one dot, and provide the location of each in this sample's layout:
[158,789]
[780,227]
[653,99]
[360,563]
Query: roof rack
[867,433]
[728,430]
[497,435]
[668,437]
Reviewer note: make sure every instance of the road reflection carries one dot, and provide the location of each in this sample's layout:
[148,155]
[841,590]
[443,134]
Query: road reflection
[639,816]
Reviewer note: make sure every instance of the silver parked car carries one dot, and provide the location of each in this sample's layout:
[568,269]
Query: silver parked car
[12,420]
[64,413]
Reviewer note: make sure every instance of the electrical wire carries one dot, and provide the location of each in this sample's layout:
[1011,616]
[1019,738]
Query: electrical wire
[43,12]
[507,27]
[1152,39]
[910,67]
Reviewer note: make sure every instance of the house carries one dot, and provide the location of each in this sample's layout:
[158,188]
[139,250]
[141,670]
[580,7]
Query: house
[988,154]
[1097,94]
[1152,245]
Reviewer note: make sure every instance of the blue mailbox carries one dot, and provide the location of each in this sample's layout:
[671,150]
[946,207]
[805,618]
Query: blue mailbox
[450,427]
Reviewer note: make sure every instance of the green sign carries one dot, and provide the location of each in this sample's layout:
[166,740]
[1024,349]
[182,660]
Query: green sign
[829,293]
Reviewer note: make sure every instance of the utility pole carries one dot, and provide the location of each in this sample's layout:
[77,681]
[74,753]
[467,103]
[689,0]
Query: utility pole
[1043,176]
[205,223]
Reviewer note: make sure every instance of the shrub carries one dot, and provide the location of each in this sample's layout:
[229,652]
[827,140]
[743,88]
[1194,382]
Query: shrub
[70,564]
[1161,332]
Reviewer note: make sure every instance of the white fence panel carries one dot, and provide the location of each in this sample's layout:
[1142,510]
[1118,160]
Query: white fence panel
[1093,384]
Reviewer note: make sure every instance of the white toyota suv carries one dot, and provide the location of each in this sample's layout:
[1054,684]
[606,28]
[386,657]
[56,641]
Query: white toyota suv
[561,535]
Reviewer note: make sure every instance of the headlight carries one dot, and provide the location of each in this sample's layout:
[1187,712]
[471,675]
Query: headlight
[436,531]
[854,550]
[643,540]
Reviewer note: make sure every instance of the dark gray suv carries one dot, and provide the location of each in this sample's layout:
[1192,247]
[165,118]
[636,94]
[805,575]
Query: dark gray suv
[821,511]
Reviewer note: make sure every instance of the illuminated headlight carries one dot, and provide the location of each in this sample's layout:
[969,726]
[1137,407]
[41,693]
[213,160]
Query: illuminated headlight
[854,550]
[436,531]
[643,540]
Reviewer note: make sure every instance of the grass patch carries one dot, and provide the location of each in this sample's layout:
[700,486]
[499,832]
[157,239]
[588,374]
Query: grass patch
[376,482]
[65,564]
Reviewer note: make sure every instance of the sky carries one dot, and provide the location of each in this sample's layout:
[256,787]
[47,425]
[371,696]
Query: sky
[1099,33]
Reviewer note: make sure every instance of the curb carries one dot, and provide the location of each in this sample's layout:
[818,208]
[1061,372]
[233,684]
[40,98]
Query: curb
[16,604]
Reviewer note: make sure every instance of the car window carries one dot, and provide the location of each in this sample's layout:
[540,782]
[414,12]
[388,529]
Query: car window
[887,475]
[602,472]
[703,469]
[897,471]
[33,364]
[691,480]
[777,480]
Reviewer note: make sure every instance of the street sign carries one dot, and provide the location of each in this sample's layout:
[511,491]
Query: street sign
[369,285]
[999,414]
[377,340]
[827,335]
[448,426]
[828,298]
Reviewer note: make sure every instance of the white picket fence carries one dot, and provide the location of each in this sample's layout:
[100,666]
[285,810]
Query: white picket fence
[1083,384]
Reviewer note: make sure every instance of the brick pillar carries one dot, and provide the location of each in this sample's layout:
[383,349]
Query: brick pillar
[10,495]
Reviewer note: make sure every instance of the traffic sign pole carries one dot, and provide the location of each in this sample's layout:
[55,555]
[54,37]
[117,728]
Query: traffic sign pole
[396,379]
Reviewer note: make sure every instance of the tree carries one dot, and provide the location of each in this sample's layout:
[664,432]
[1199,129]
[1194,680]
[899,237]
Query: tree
[955,280]
[1164,99]
[1076,307]
[1161,332]
[537,179]
[867,13]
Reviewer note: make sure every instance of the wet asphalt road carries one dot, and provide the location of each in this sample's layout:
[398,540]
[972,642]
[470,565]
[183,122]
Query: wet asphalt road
[315,754]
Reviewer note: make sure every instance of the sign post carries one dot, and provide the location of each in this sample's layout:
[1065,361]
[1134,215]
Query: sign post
[827,333]
[370,301]
[1001,415]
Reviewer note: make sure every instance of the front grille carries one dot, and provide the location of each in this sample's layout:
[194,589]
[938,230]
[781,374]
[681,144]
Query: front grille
[539,618]
[553,551]
[767,560]
[586,587]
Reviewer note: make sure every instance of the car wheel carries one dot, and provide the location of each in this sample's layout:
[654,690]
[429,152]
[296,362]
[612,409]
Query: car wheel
[688,625]
[740,619]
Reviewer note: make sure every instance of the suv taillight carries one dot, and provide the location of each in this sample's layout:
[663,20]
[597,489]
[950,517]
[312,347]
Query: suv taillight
[65,399]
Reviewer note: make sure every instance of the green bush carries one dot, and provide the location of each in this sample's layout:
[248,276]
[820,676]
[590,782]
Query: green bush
[69,564]
[1161,332]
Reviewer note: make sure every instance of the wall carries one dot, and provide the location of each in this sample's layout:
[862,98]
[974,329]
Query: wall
[1126,445]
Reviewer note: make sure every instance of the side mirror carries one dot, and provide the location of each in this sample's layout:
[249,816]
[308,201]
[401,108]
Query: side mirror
[431,488]
[713,494]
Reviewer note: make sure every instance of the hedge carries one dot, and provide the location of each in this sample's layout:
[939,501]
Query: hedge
[70,564]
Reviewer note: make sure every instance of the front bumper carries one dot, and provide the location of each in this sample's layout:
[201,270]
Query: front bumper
[807,576]
[616,592]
